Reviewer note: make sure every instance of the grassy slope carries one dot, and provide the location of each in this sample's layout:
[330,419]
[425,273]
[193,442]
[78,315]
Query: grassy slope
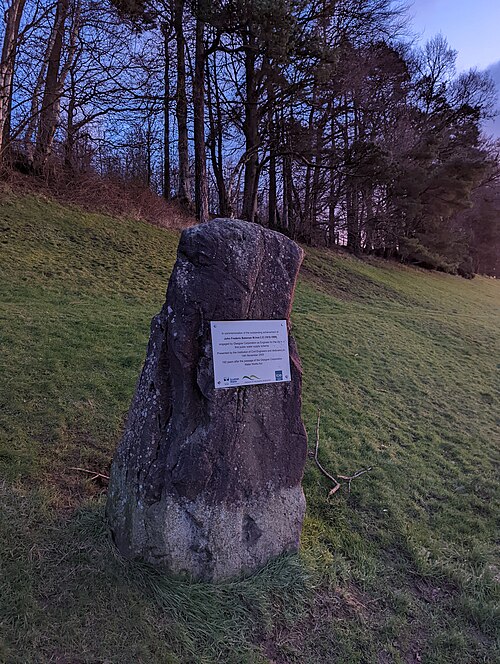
[402,364]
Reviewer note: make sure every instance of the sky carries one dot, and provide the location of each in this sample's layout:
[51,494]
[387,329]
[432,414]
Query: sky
[472,27]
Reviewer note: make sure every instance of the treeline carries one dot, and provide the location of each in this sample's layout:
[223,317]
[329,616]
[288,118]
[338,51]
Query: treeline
[315,118]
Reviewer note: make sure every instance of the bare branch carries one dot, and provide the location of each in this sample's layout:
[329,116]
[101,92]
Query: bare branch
[345,478]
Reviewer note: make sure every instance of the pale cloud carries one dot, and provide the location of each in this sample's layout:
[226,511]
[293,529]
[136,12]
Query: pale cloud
[492,127]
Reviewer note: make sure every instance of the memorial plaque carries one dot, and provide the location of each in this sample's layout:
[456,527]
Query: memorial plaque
[250,352]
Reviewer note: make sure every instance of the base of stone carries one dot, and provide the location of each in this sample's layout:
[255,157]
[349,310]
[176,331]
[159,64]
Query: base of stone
[213,542]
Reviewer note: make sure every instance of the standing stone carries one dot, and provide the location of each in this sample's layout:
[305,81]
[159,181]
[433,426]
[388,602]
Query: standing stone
[207,482]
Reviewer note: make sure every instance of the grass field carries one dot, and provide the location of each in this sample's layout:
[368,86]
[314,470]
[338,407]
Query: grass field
[404,367]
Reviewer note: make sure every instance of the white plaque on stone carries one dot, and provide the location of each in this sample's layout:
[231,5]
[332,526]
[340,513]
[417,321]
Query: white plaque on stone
[250,352]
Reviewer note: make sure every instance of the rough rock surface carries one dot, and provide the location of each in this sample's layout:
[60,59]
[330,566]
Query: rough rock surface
[207,482]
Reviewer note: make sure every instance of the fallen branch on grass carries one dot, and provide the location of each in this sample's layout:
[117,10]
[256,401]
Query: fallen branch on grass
[325,473]
[346,478]
[358,473]
[95,474]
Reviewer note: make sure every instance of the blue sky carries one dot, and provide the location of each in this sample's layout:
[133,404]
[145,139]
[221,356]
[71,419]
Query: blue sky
[472,27]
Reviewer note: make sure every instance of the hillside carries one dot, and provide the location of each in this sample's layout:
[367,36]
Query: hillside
[402,364]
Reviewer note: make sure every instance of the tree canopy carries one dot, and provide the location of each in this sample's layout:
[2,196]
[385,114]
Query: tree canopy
[315,118]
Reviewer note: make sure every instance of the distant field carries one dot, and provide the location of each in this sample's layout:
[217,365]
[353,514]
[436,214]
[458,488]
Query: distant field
[404,365]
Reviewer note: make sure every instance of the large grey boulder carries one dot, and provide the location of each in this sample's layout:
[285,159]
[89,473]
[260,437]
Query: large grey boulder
[207,482]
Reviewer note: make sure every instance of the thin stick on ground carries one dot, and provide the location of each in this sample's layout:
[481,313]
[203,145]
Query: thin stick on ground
[94,473]
[325,473]
[346,478]
[350,478]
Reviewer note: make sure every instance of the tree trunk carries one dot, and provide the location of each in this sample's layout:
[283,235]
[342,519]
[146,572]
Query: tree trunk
[316,184]
[370,220]
[181,108]
[55,80]
[351,190]
[272,201]
[69,146]
[7,66]
[149,151]
[200,162]
[251,131]
[49,113]
[35,100]
[273,207]
[286,189]
[333,195]
[216,141]
[166,112]
[304,232]
[288,216]
[352,217]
